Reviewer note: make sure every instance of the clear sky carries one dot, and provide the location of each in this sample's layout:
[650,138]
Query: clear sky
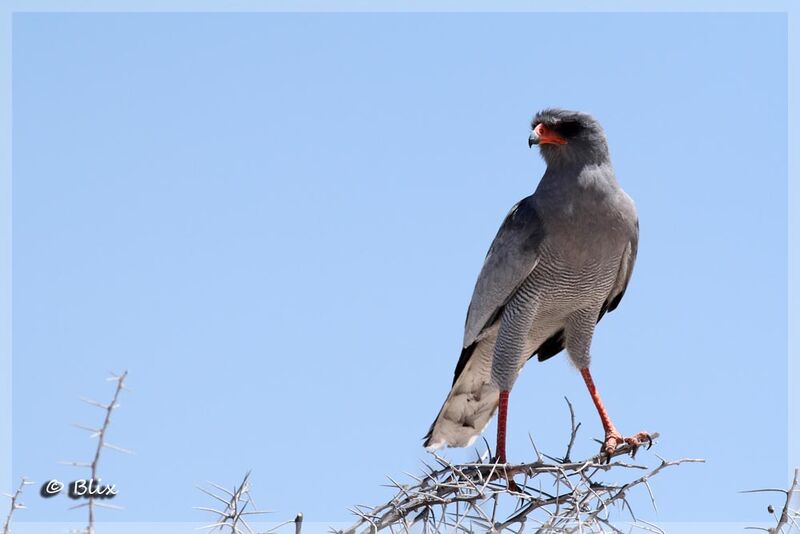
[275,221]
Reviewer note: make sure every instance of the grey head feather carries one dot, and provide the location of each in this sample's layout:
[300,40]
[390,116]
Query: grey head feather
[586,140]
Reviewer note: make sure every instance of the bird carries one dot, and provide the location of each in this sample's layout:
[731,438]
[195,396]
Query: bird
[560,261]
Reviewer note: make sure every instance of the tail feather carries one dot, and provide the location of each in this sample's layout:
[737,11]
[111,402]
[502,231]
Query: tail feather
[471,403]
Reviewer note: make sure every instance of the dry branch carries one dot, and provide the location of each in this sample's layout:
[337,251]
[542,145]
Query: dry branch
[238,505]
[557,496]
[15,504]
[100,434]
[789,519]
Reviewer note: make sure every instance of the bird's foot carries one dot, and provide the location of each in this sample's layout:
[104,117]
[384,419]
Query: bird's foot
[504,472]
[614,439]
[511,485]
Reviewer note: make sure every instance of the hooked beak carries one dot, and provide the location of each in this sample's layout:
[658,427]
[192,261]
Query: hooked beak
[542,135]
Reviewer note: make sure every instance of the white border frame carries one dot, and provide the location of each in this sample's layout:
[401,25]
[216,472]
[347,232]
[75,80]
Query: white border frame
[9,8]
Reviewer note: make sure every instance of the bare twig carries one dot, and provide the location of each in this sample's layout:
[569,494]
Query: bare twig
[15,504]
[789,519]
[574,433]
[100,434]
[238,504]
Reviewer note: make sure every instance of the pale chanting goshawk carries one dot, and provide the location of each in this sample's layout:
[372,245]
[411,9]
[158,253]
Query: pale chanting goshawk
[561,259]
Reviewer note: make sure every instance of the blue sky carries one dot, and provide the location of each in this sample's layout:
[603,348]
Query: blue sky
[275,221]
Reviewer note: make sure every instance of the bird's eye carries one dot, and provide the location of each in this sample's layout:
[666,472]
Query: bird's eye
[569,128]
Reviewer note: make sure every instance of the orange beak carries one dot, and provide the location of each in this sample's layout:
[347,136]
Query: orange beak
[543,135]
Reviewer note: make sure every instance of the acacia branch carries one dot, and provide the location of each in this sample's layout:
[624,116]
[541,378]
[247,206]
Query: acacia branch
[15,504]
[789,518]
[100,434]
[238,505]
[557,496]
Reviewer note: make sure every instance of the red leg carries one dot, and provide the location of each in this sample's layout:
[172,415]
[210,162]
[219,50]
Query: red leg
[608,426]
[612,438]
[502,414]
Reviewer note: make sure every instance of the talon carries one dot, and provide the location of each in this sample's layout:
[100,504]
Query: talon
[639,439]
[633,443]
[614,439]
[512,486]
[502,473]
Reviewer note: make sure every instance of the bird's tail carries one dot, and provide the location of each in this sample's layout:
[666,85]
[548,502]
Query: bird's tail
[470,404]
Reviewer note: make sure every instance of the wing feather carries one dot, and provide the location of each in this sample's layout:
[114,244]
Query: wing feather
[511,258]
[624,274]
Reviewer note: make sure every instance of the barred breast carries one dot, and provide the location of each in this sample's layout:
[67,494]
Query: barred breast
[558,295]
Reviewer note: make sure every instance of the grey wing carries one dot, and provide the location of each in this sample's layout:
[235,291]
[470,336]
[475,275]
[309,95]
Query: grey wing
[511,258]
[624,274]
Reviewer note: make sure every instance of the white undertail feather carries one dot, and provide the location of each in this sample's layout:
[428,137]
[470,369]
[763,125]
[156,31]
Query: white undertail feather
[471,403]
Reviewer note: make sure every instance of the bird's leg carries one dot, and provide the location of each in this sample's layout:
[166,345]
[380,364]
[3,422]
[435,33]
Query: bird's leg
[500,458]
[502,416]
[613,438]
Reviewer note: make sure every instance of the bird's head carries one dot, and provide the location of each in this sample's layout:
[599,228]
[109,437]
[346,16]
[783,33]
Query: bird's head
[566,137]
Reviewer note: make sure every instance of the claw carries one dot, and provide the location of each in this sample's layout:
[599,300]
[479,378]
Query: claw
[634,445]
[614,439]
[501,473]
[512,486]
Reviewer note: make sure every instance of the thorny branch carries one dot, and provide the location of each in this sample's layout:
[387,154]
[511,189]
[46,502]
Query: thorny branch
[789,520]
[15,504]
[100,434]
[237,506]
[560,496]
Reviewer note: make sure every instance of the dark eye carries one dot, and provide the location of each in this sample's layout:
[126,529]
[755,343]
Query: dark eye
[569,128]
